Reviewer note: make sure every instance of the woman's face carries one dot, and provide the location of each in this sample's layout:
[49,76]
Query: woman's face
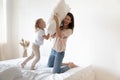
[67,20]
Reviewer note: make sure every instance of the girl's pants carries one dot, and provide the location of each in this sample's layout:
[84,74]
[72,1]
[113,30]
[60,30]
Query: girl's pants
[35,53]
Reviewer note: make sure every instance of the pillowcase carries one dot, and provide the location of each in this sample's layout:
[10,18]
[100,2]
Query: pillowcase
[60,10]
[86,73]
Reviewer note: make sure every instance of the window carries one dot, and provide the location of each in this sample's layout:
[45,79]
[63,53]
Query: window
[3,30]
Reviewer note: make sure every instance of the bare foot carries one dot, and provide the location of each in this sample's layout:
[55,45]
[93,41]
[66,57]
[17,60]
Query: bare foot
[72,65]
[22,65]
[65,64]
[32,67]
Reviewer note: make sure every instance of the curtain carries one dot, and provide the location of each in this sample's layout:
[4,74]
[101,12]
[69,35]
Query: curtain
[2,32]
[8,32]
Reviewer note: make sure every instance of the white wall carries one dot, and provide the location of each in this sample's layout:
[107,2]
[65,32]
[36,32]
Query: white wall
[96,37]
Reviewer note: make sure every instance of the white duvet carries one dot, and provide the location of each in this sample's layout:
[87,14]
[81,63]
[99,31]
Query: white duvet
[11,73]
[11,70]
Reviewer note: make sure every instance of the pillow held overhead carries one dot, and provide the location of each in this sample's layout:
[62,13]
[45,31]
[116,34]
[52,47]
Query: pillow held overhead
[60,10]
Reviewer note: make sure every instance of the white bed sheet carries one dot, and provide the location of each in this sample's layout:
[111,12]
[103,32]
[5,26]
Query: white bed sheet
[42,72]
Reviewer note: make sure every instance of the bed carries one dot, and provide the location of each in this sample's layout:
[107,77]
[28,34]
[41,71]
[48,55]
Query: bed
[11,70]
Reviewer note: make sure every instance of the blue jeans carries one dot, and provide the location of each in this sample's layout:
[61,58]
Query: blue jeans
[55,61]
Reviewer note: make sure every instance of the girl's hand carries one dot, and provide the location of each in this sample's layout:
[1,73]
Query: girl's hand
[46,36]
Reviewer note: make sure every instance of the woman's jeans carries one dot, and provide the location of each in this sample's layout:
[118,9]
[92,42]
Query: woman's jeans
[55,61]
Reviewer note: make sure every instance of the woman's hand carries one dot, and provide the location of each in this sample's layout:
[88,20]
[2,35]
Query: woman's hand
[56,19]
[53,36]
[58,32]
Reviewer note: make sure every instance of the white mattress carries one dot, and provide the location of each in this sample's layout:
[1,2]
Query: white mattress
[11,70]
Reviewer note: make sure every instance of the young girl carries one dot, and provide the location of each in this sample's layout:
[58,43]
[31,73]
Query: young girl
[58,50]
[39,33]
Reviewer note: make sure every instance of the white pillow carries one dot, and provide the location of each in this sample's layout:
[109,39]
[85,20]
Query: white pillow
[11,73]
[86,73]
[60,10]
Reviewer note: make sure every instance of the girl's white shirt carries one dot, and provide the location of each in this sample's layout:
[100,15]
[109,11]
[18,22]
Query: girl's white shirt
[39,40]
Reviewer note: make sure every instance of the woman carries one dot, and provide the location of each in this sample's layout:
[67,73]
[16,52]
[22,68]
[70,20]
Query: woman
[59,46]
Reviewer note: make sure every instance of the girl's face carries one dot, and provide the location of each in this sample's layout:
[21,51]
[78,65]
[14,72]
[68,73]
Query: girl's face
[42,24]
[67,20]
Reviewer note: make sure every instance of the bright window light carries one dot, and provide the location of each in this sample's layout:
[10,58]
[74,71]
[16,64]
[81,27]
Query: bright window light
[3,29]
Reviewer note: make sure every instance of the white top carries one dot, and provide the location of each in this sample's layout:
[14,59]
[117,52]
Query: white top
[39,40]
[60,43]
